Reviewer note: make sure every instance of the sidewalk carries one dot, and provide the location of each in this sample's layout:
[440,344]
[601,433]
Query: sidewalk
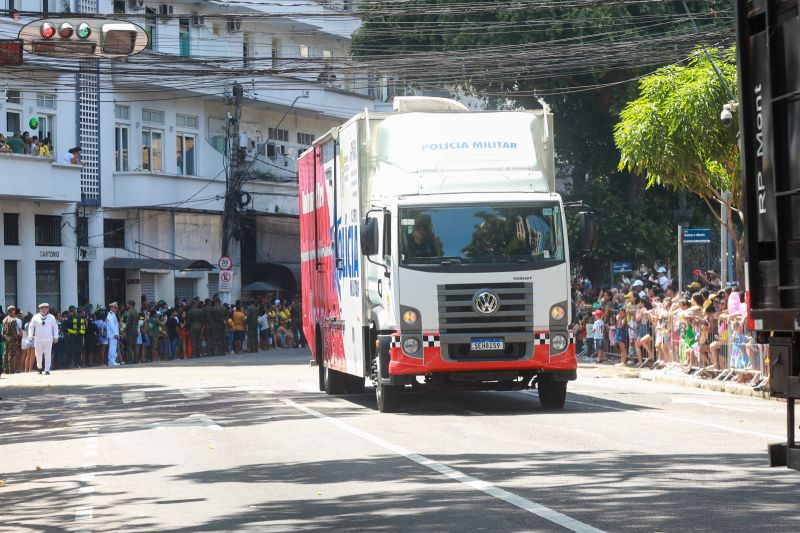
[677,377]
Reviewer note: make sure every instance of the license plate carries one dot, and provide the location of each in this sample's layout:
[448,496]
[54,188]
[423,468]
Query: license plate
[487,344]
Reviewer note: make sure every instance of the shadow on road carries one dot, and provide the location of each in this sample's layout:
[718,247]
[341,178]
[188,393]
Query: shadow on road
[616,492]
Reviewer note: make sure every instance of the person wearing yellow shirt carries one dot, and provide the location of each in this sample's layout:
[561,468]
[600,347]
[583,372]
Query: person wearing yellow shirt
[238,318]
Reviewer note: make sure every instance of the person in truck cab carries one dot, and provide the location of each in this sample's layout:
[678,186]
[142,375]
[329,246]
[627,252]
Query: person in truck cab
[421,242]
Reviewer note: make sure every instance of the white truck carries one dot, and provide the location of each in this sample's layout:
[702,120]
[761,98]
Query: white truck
[434,253]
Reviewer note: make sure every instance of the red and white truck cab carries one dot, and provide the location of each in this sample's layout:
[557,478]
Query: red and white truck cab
[435,254]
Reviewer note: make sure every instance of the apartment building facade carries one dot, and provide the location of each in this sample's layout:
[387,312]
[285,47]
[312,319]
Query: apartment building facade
[141,216]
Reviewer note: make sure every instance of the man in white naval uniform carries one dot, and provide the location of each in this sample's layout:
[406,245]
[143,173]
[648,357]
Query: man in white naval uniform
[112,331]
[43,329]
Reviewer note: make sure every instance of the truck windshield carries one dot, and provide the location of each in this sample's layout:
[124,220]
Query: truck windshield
[481,234]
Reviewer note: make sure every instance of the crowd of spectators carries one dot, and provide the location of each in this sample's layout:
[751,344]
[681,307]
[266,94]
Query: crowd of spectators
[26,144]
[153,332]
[644,320]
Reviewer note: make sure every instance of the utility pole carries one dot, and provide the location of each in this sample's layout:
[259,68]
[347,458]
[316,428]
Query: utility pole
[233,184]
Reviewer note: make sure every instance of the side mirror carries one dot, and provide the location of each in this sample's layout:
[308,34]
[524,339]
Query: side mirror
[588,231]
[369,236]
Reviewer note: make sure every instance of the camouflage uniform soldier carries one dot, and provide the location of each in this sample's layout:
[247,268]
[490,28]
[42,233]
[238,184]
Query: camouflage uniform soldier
[195,318]
[131,318]
[11,336]
[213,328]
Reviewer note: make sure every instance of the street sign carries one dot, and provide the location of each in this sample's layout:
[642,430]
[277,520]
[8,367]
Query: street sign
[696,235]
[83,37]
[226,281]
[621,267]
[225,263]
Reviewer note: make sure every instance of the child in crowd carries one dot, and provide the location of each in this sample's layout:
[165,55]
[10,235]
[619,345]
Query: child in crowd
[598,328]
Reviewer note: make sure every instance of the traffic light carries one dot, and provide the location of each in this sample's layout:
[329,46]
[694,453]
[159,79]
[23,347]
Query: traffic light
[72,37]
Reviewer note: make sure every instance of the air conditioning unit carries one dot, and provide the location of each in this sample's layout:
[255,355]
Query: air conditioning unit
[136,4]
[165,9]
[233,24]
[198,20]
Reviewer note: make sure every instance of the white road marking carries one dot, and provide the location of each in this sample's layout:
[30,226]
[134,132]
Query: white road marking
[712,404]
[770,436]
[195,420]
[88,489]
[87,477]
[83,514]
[79,401]
[133,396]
[477,484]
[194,394]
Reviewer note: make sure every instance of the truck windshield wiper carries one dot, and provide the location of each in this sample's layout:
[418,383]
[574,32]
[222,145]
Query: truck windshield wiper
[454,260]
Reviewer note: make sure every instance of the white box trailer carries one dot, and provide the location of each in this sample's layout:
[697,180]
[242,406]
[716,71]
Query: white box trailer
[434,253]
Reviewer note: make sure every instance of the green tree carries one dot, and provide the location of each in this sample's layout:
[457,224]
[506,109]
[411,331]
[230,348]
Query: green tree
[672,133]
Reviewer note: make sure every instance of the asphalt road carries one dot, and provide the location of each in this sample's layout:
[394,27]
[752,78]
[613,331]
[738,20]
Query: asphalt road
[249,444]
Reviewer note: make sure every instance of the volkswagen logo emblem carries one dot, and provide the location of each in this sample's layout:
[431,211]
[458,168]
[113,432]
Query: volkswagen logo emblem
[486,303]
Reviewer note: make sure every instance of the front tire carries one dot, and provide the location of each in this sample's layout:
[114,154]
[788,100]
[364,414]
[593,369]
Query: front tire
[386,396]
[552,394]
[335,382]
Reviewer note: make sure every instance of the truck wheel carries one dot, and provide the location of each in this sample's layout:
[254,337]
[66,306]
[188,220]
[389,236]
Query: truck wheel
[334,381]
[387,396]
[552,394]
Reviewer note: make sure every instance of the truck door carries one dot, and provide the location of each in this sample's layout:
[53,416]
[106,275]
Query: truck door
[349,275]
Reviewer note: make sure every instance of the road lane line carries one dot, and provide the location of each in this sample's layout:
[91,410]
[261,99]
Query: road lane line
[770,436]
[477,484]
[133,396]
[194,394]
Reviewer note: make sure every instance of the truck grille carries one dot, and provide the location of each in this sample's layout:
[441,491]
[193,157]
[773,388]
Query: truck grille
[457,315]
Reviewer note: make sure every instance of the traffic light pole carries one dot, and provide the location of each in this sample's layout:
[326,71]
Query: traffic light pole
[233,187]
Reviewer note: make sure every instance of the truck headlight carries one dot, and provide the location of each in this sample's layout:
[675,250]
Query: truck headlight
[558,343]
[557,312]
[410,317]
[411,345]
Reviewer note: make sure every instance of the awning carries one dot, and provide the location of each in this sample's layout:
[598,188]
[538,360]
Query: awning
[261,286]
[143,263]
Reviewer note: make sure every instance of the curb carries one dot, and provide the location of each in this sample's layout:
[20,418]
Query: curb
[736,389]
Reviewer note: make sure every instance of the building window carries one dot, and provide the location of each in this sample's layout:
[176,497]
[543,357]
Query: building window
[119,7]
[11,229]
[305,139]
[82,231]
[122,112]
[152,116]
[187,121]
[11,283]
[184,143]
[184,37]
[13,121]
[46,101]
[151,30]
[13,97]
[48,230]
[152,150]
[121,148]
[276,52]
[48,283]
[279,135]
[247,50]
[113,233]
[47,128]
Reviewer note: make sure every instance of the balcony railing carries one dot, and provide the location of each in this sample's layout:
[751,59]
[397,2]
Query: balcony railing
[39,178]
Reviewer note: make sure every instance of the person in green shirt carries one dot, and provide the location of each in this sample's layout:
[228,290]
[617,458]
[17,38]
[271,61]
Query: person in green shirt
[16,143]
